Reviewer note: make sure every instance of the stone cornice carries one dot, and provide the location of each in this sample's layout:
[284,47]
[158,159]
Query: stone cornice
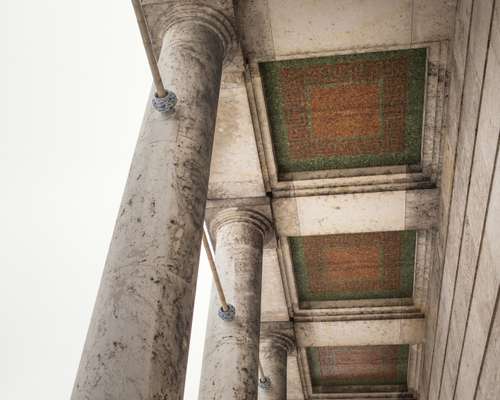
[241,215]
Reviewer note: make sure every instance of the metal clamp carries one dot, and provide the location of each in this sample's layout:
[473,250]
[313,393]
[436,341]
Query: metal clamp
[165,104]
[265,383]
[227,315]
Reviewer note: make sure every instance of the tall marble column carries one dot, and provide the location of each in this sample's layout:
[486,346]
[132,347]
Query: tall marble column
[274,349]
[137,344]
[230,361]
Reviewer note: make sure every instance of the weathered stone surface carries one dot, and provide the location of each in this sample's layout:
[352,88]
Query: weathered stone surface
[235,170]
[487,388]
[357,212]
[274,307]
[360,333]
[295,389]
[432,20]
[137,343]
[274,28]
[483,179]
[483,300]
[230,361]
[348,24]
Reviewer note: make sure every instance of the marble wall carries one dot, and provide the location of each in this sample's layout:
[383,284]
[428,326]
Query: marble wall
[462,351]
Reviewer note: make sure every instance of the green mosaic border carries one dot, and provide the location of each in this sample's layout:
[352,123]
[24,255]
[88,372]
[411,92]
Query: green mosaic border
[317,380]
[408,243]
[269,72]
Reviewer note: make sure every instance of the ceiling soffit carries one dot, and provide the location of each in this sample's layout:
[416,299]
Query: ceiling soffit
[363,266]
[346,111]
[358,276]
[359,122]
[358,369]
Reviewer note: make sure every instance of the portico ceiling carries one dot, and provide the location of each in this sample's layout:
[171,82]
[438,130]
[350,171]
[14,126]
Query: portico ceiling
[331,116]
[361,112]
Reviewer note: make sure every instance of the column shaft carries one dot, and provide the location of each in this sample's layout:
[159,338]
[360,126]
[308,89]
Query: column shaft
[230,362]
[273,356]
[137,344]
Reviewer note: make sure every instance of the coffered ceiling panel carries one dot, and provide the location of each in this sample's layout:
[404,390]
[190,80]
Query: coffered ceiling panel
[346,111]
[358,368]
[360,266]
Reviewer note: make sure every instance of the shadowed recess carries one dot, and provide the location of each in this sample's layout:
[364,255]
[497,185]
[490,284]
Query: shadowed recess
[346,111]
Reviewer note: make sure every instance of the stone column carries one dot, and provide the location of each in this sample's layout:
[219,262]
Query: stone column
[230,361]
[137,344]
[274,349]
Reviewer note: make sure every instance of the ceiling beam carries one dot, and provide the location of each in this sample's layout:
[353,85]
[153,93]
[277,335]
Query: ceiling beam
[360,332]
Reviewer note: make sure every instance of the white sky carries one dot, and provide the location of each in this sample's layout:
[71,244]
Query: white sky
[73,87]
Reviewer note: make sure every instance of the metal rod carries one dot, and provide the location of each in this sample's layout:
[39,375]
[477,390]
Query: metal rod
[148,46]
[211,261]
[261,371]
[264,381]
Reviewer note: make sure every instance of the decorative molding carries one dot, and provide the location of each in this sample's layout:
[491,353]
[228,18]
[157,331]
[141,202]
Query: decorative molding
[260,205]
[241,215]
[219,19]
[278,339]
[415,362]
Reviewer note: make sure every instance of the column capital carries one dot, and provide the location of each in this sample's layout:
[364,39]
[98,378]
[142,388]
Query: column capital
[218,17]
[241,215]
[279,340]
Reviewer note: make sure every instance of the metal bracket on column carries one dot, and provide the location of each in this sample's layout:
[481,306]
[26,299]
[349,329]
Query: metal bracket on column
[265,383]
[166,103]
[227,315]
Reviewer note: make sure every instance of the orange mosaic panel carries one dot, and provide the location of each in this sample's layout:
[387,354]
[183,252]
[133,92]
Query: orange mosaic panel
[336,111]
[352,263]
[346,111]
[354,266]
[342,99]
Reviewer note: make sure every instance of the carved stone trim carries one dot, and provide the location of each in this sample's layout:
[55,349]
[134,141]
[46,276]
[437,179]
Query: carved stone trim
[209,16]
[278,339]
[237,215]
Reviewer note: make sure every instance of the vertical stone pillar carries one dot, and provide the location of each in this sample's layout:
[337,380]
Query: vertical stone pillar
[274,349]
[137,344]
[230,361]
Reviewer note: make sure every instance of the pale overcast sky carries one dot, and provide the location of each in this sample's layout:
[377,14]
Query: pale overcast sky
[73,87]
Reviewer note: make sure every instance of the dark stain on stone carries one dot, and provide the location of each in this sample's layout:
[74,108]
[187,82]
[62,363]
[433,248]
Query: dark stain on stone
[153,208]
[119,345]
